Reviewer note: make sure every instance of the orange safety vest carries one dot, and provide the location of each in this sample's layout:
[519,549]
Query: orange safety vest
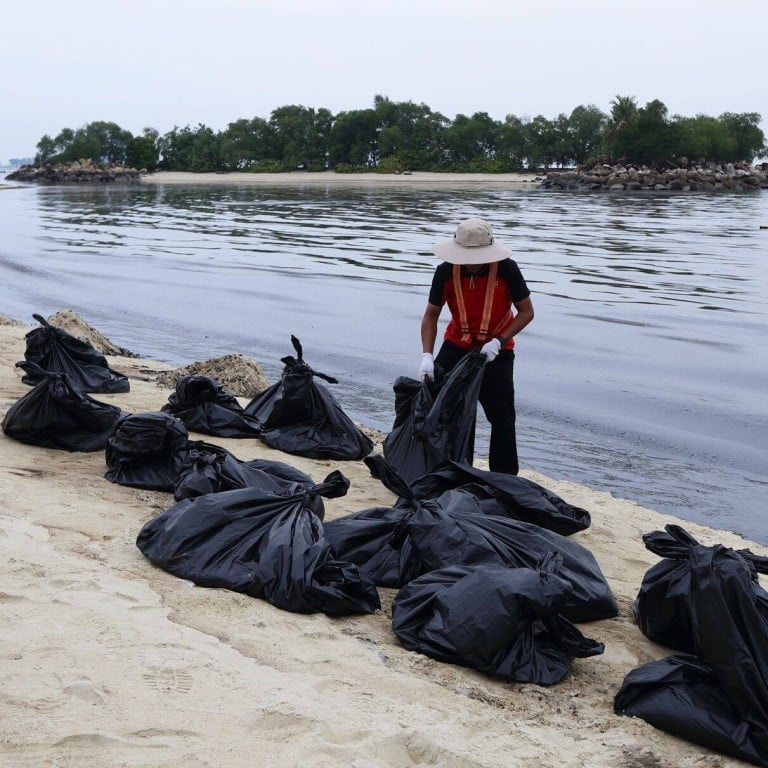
[484,333]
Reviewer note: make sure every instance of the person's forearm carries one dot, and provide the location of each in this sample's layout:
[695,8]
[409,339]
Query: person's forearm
[521,319]
[517,325]
[428,334]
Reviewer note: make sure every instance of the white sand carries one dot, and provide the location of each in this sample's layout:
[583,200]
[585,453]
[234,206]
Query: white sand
[417,178]
[108,661]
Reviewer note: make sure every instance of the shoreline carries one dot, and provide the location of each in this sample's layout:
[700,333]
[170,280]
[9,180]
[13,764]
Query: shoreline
[109,660]
[416,178]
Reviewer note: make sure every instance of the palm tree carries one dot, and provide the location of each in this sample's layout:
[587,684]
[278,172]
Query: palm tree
[623,110]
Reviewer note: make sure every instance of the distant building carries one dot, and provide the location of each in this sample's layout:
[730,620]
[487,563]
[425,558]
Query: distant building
[17,162]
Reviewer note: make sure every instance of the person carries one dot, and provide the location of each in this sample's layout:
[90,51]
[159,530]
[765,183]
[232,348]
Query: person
[490,304]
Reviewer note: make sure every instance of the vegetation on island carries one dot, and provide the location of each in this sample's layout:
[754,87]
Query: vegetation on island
[397,136]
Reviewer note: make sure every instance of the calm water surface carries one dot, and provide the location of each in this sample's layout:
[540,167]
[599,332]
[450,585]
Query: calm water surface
[643,374]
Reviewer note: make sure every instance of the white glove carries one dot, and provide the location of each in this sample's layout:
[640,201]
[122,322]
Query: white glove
[427,367]
[491,349]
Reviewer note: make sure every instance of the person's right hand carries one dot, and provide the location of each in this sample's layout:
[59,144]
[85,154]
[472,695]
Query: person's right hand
[427,367]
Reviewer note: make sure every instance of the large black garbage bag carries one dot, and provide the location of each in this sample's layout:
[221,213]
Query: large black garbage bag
[453,529]
[507,495]
[204,405]
[503,621]
[264,545]
[146,450]
[435,422]
[208,468]
[299,416]
[662,608]
[728,621]
[56,415]
[681,695]
[56,351]
[375,540]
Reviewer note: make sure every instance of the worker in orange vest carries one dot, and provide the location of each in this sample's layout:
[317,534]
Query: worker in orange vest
[490,304]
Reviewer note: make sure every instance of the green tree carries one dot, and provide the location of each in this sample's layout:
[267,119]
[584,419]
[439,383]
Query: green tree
[744,129]
[246,143]
[470,138]
[703,138]
[585,132]
[511,142]
[46,148]
[301,135]
[541,142]
[353,139]
[110,139]
[412,132]
[188,149]
[649,138]
[142,151]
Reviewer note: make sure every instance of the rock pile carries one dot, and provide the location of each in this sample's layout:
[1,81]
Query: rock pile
[687,177]
[78,171]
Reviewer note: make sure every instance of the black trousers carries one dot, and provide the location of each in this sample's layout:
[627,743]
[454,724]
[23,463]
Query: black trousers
[497,396]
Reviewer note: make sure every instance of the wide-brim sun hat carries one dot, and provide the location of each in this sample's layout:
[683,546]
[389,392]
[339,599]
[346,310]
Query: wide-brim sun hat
[473,243]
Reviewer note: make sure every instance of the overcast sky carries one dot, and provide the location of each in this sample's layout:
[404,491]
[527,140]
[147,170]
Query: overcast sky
[162,63]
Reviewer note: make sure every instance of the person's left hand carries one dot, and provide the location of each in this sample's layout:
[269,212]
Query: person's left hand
[491,349]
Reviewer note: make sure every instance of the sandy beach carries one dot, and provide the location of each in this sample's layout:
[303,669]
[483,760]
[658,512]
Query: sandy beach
[109,661]
[418,178]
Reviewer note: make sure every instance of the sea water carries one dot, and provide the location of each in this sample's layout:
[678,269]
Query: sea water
[643,374]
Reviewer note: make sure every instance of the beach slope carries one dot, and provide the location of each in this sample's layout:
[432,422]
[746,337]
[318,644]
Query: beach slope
[107,660]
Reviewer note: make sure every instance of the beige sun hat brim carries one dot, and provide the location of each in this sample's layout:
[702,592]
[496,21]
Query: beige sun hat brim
[453,253]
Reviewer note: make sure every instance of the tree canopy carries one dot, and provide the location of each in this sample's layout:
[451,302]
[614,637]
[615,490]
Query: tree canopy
[403,135]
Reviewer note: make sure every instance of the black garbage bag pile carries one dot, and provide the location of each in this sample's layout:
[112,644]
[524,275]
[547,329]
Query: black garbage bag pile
[453,529]
[57,351]
[662,608]
[204,405]
[435,422]
[54,414]
[264,545]
[146,450]
[502,621]
[208,468]
[507,495]
[717,696]
[299,416]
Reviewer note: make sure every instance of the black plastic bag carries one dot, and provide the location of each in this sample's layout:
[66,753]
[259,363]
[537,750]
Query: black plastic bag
[453,529]
[662,608]
[502,621]
[205,406]
[56,415]
[726,693]
[680,695]
[506,495]
[263,545]
[374,540]
[208,468]
[301,417]
[56,351]
[435,422]
[146,450]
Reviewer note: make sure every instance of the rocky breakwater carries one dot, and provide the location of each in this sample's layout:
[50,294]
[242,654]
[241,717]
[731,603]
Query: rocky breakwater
[78,171]
[599,176]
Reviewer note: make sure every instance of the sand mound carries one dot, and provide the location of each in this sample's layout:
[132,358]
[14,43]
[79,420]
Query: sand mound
[69,321]
[5,320]
[240,375]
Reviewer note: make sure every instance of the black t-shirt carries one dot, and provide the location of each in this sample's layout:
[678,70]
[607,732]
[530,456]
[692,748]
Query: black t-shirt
[507,270]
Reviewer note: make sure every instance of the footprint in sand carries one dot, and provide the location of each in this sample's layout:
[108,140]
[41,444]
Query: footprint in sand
[169,680]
